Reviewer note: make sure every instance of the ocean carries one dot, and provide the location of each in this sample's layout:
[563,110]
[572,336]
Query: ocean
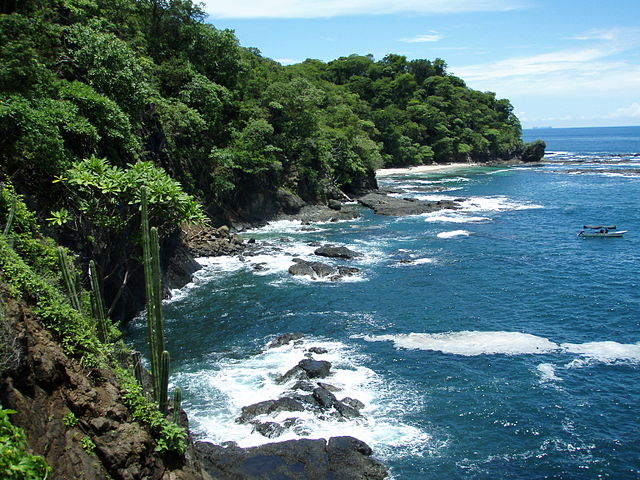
[489,342]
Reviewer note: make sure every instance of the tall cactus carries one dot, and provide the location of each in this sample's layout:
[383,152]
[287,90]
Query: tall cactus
[164,382]
[97,303]
[137,367]
[155,321]
[69,279]
[177,405]
[10,216]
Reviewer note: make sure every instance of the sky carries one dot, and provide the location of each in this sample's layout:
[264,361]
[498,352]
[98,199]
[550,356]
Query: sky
[561,63]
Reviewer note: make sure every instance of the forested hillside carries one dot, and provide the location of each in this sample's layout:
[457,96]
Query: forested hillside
[148,80]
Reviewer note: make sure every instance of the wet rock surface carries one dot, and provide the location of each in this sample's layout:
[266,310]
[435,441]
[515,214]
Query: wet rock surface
[335,458]
[339,458]
[332,251]
[386,205]
[321,270]
[322,213]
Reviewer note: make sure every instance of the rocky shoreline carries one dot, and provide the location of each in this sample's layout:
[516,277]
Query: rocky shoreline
[336,457]
[306,391]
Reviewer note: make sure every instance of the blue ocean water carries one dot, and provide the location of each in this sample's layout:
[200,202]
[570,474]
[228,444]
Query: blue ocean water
[487,342]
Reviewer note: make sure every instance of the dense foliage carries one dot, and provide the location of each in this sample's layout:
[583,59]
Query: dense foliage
[131,80]
[31,272]
[16,463]
[30,268]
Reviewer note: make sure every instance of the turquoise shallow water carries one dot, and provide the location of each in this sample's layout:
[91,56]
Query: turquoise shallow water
[490,342]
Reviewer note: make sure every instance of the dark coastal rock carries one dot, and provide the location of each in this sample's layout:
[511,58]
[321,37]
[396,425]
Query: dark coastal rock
[324,397]
[320,270]
[284,404]
[303,385]
[347,271]
[268,429]
[346,411]
[289,202]
[309,400]
[334,204]
[321,213]
[315,368]
[328,386]
[304,269]
[534,151]
[337,252]
[353,402]
[293,373]
[341,458]
[212,242]
[285,339]
[386,205]
[318,350]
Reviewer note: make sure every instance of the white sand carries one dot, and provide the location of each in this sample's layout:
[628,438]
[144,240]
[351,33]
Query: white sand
[383,172]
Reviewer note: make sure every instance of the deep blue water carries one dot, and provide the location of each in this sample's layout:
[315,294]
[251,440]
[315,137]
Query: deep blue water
[486,343]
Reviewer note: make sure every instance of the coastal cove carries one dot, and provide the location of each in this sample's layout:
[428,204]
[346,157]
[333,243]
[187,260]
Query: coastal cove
[487,341]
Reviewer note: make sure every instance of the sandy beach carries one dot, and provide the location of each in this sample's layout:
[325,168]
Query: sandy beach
[383,172]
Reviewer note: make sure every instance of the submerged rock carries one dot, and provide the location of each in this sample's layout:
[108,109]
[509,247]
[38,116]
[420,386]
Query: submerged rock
[268,429]
[285,339]
[293,373]
[317,350]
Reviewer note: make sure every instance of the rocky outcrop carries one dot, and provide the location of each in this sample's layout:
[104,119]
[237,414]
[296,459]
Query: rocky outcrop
[331,251]
[339,458]
[65,408]
[322,213]
[285,339]
[335,458]
[289,202]
[317,270]
[73,415]
[386,205]
[212,242]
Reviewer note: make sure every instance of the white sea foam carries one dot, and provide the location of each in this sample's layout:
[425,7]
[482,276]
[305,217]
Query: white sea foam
[548,373]
[454,233]
[497,203]
[603,352]
[470,343]
[278,227]
[228,385]
[454,218]
[414,261]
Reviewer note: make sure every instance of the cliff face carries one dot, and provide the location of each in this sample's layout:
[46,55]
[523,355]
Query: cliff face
[74,416]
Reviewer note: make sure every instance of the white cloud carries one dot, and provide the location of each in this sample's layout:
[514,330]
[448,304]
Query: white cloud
[607,65]
[622,35]
[569,86]
[427,37]
[630,111]
[287,61]
[334,8]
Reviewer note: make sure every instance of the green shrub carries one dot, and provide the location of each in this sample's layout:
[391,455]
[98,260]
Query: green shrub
[70,419]
[76,332]
[16,463]
[169,436]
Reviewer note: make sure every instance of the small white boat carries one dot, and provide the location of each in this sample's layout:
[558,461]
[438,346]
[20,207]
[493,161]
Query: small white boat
[600,231]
